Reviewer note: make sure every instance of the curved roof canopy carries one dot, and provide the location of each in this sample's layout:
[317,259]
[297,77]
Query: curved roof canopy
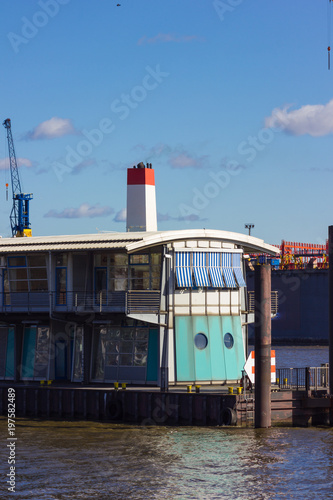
[131,242]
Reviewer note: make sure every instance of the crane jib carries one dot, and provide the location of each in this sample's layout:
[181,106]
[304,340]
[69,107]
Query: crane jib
[19,216]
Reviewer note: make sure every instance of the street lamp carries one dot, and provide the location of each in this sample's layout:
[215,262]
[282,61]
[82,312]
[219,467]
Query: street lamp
[249,227]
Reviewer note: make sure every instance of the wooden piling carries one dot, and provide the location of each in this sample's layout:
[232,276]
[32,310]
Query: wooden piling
[262,346]
[330,313]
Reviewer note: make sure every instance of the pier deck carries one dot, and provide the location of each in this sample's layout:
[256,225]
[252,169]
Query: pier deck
[212,406]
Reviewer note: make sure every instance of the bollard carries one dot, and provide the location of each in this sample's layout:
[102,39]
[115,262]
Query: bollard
[230,390]
[285,381]
[197,388]
[239,390]
[123,386]
[189,388]
[116,385]
[49,382]
[42,382]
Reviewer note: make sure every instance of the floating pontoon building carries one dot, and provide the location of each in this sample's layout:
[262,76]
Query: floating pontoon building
[143,307]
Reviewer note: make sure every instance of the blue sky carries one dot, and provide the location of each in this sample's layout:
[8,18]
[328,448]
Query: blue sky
[230,100]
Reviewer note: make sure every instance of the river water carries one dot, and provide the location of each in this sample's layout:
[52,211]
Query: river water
[89,460]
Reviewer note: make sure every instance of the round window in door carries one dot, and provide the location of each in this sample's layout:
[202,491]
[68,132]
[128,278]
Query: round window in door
[200,341]
[228,340]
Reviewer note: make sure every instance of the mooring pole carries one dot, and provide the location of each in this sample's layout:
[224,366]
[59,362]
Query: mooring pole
[262,346]
[330,312]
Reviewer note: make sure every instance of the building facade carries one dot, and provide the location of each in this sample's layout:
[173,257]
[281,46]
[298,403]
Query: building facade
[146,308]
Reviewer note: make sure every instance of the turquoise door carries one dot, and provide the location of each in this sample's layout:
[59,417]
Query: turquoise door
[208,348]
[193,361]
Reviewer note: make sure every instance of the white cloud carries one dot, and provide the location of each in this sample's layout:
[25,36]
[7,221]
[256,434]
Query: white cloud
[120,216]
[83,211]
[21,162]
[187,160]
[312,119]
[167,217]
[55,127]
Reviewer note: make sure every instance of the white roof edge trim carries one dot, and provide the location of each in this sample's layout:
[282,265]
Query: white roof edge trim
[249,243]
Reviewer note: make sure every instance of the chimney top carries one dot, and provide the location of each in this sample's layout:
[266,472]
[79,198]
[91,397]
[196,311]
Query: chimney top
[142,165]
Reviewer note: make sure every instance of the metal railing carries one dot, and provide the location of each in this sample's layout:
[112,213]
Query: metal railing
[131,301]
[26,301]
[303,378]
[274,302]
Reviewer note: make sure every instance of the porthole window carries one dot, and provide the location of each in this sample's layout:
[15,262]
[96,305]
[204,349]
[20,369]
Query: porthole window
[228,340]
[200,341]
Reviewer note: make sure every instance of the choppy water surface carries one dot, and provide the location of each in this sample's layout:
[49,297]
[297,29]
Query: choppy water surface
[89,460]
[83,460]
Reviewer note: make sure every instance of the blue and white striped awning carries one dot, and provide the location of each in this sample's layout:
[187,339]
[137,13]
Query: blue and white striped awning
[236,264]
[200,270]
[183,269]
[215,271]
[227,270]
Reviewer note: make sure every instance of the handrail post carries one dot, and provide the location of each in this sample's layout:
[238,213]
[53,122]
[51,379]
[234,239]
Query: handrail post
[307,378]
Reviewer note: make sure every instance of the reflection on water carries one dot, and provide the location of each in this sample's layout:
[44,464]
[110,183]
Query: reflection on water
[89,460]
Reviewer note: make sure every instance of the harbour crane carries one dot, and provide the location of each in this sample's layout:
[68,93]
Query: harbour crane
[19,215]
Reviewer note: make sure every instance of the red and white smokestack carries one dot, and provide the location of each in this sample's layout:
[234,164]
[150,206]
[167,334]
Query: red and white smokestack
[141,198]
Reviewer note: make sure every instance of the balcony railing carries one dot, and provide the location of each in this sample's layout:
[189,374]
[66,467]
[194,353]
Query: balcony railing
[132,301]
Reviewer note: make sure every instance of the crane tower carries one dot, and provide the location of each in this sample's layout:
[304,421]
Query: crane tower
[19,216]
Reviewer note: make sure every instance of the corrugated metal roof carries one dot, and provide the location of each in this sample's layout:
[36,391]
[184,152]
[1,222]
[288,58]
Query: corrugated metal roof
[70,242]
[132,242]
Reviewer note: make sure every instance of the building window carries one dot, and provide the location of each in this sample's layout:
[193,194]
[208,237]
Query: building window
[6,353]
[118,272]
[133,272]
[25,274]
[200,341]
[37,273]
[77,366]
[228,340]
[145,271]
[119,347]
[35,356]
[100,285]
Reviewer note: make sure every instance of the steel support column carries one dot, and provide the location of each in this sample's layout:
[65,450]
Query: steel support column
[330,313]
[18,347]
[262,287]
